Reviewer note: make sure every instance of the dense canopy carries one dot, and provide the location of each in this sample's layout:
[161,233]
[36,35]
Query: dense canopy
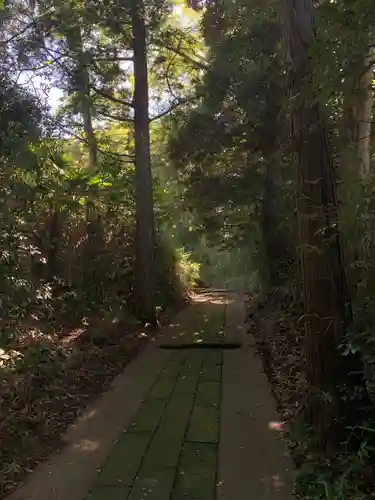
[151,146]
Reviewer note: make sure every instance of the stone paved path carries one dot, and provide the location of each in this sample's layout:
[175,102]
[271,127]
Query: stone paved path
[170,448]
[172,441]
[192,423]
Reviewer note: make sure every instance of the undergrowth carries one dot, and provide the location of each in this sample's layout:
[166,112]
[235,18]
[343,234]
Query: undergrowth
[350,474]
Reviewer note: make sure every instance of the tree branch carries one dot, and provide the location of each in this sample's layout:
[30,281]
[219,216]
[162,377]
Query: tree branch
[19,33]
[115,117]
[42,66]
[112,98]
[126,158]
[171,108]
[114,58]
[196,64]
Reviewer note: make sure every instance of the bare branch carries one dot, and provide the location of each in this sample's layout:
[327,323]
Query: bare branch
[19,33]
[126,158]
[114,58]
[112,98]
[42,66]
[178,101]
[172,108]
[116,117]
[195,63]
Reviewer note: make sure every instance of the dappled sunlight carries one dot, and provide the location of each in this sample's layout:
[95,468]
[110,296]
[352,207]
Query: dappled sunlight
[219,301]
[88,415]
[277,482]
[274,483]
[276,426]
[8,356]
[73,336]
[87,446]
[209,298]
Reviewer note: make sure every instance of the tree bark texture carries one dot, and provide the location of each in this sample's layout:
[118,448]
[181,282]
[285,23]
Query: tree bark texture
[274,246]
[327,304]
[364,117]
[143,176]
[82,84]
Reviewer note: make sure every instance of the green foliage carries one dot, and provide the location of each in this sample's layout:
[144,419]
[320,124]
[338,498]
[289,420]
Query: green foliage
[346,480]
[188,271]
[224,148]
[176,274]
[224,176]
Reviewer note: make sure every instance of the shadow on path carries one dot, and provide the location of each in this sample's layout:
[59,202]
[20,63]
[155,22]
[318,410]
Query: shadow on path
[193,423]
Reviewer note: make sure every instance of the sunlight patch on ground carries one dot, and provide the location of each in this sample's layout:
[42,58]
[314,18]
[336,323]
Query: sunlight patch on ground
[276,426]
[211,297]
[275,481]
[73,336]
[88,415]
[87,446]
[7,356]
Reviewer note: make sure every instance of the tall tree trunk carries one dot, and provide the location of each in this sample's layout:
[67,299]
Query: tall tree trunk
[92,268]
[327,305]
[53,247]
[83,88]
[143,176]
[273,244]
[364,117]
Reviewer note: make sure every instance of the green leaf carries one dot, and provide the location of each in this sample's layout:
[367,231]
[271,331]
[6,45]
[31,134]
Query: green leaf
[95,180]
[83,200]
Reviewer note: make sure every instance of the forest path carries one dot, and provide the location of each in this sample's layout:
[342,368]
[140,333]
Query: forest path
[191,418]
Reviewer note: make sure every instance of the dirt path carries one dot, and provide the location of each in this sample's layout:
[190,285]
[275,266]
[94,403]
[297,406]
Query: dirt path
[191,418]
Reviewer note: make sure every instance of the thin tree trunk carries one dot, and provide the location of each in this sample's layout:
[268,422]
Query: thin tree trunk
[92,267]
[83,88]
[143,177]
[53,248]
[364,117]
[327,305]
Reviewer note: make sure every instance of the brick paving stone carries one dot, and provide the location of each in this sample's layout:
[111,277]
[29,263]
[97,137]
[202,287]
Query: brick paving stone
[213,357]
[204,425]
[199,458]
[166,445]
[162,389]
[173,366]
[149,415]
[211,372]
[124,460]
[194,487]
[154,484]
[109,493]
[178,409]
[208,394]
[187,384]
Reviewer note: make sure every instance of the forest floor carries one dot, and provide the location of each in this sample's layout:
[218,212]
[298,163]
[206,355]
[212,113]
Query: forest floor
[192,417]
[48,379]
[278,331]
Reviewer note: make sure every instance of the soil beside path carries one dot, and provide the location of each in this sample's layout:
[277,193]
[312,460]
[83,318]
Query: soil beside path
[191,418]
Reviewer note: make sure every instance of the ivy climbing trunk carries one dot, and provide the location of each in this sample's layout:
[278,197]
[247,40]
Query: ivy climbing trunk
[327,305]
[145,279]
